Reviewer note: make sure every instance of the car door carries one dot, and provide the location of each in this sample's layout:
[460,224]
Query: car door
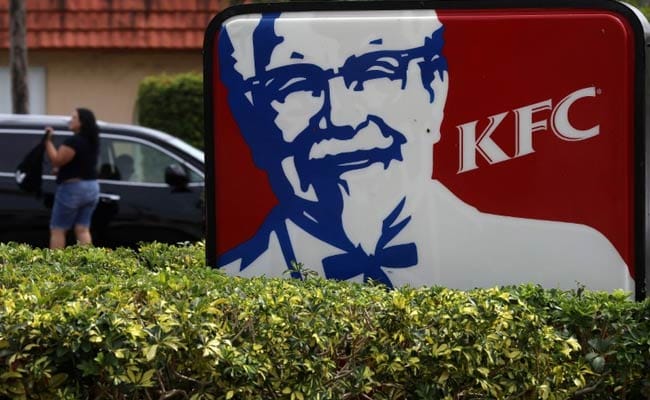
[136,204]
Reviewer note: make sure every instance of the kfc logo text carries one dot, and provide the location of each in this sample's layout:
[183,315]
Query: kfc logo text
[525,125]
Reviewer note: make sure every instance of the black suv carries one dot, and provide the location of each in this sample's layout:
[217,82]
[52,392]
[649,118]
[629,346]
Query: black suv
[151,185]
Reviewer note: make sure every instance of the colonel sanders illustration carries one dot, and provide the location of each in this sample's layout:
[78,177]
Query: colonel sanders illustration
[343,115]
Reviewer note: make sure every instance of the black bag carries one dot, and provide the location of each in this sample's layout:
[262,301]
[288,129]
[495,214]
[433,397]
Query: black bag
[29,173]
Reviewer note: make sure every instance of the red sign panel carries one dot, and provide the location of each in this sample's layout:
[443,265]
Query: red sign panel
[426,146]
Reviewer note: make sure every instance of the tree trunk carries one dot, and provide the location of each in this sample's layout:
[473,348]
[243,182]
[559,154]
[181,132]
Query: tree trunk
[18,57]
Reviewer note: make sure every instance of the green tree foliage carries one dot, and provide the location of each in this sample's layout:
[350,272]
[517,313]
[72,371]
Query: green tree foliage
[643,5]
[173,104]
[157,323]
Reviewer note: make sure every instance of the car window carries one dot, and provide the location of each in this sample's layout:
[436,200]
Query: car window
[194,177]
[132,161]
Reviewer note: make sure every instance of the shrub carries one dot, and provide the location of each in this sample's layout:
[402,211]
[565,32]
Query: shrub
[173,104]
[157,323]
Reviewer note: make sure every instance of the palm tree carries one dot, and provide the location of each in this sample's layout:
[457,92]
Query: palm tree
[18,57]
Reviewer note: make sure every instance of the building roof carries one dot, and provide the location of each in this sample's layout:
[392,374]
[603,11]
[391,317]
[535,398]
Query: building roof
[107,24]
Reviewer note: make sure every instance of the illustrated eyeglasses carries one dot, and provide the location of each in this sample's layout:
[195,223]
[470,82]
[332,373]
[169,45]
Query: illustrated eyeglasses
[278,83]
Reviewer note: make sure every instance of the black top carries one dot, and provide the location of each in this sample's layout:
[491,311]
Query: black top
[83,164]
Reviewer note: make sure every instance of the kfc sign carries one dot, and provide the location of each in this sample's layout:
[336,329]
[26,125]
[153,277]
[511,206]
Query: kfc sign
[428,145]
[523,133]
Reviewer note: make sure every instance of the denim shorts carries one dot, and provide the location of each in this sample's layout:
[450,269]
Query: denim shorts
[74,204]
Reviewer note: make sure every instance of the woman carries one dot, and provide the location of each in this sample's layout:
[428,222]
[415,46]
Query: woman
[77,192]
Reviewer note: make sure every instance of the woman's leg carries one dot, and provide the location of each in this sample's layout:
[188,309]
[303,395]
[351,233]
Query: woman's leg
[57,238]
[83,235]
[61,220]
[84,217]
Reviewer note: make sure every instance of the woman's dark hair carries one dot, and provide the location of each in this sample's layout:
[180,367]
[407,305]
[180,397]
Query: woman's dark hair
[89,128]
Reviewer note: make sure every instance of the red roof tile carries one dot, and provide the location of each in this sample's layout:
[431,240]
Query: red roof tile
[131,24]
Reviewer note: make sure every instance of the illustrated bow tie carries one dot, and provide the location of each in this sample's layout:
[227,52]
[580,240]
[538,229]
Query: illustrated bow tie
[356,262]
[348,265]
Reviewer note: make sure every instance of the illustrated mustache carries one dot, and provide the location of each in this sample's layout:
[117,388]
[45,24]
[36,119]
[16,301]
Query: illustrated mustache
[314,171]
[308,141]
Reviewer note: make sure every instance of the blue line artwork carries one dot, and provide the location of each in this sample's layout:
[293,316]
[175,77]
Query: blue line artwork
[312,197]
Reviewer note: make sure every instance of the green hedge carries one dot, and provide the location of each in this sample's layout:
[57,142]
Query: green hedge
[173,104]
[156,323]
